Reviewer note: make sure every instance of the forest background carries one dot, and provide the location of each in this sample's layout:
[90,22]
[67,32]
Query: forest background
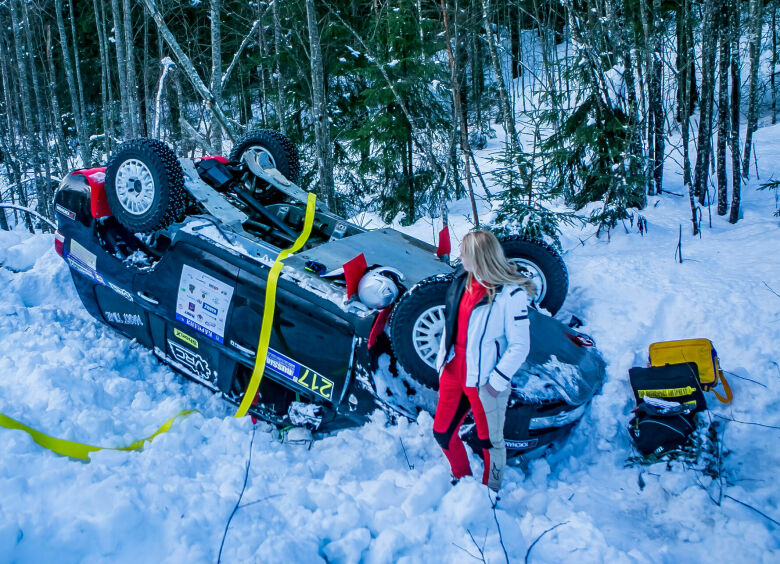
[387,100]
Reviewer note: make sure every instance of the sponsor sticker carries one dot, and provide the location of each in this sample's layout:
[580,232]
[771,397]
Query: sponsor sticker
[79,252]
[192,362]
[521,444]
[81,267]
[121,291]
[203,301]
[90,273]
[62,210]
[191,341]
[305,377]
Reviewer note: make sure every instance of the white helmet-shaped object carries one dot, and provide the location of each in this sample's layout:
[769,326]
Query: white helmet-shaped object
[377,290]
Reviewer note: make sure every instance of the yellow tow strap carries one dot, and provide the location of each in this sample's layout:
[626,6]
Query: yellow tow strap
[270,305]
[80,450]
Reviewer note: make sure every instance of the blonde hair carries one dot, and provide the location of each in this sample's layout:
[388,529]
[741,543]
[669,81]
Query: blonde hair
[490,265]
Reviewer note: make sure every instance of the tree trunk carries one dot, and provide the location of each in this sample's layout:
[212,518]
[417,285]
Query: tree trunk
[324,148]
[657,106]
[28,134]
[464,136]
[686,61]
[186,66]
[62,146]
[79,83]
[506,112]
[81,132]
[106,92]
[280,105]
[119,42]
[755,23]
[724,45]
[135,118]
[773,68]
[43,187]
[215,9]
[9,150]
[736,165]
[704,138]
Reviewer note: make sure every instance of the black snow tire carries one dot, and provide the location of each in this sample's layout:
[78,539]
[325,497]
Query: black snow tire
[423,296]
[168,200]
[547,261]
[283,151]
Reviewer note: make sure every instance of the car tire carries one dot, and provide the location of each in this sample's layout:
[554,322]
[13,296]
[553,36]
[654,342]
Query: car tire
[416,322]
[544,266]
[145,185]
[282,151]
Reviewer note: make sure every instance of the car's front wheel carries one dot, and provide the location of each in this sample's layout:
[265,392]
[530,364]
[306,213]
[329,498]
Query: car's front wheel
[416,329]
[543,265]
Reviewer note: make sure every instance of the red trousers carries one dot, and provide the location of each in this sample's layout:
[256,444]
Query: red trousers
[455,401]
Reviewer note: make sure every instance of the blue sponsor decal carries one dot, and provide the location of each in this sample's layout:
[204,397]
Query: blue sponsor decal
[94,275]
[301,375]
[200,328]
[282,364]
[83,269]
[210,308]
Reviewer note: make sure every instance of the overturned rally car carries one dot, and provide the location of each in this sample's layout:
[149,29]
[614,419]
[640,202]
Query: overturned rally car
[176,254]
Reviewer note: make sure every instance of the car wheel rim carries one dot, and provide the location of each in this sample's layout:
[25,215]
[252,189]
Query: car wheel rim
[427,333]
[259,149]
[530,270]
[135,187]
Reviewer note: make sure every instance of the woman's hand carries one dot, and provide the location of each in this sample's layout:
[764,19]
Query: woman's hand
[491,390]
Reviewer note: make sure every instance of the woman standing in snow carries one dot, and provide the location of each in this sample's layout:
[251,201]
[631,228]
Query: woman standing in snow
[485,340]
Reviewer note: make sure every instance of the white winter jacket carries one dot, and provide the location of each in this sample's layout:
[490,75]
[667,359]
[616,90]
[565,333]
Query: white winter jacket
[498,337]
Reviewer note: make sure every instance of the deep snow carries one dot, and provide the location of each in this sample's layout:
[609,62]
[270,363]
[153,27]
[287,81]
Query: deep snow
[352,496]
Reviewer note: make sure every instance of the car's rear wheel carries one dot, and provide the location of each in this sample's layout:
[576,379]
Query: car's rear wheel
[281,151]
[145,185]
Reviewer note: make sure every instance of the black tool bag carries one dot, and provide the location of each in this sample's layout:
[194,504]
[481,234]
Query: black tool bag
[668,399]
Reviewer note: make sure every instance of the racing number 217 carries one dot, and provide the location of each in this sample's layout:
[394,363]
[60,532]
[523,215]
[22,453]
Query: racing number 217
[316,383]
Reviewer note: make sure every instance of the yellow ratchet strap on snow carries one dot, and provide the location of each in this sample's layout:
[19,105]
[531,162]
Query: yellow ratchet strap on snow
[268,310]
[80,450]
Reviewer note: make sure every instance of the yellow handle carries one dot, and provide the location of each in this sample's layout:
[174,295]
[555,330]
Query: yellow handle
[726,388]
[270,305]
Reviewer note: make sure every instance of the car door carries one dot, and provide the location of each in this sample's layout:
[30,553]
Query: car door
[311,345]
[189,296]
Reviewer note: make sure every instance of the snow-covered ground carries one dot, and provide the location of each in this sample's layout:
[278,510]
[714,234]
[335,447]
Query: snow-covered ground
[353,497]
